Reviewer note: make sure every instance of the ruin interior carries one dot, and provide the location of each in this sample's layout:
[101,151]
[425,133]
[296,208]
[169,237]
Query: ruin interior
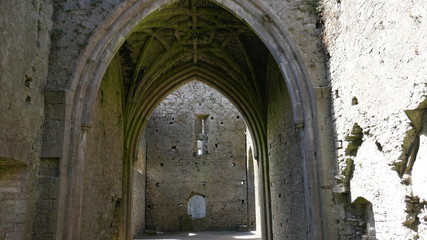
[296,119]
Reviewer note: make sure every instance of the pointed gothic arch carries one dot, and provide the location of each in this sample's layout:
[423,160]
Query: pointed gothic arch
[100,51]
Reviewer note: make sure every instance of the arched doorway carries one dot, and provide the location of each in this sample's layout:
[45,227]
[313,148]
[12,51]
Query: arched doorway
[232,71]
[193,166]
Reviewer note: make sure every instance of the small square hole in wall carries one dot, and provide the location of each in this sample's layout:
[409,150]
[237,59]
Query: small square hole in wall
[242,201]
[354,101]
[157,184]
[222,123]
[216,145]
[212,118]
[161,164]
[170,122]
[148,206]
[379,146]
[237,117]
[339,144]
[233,164]
[173,147]
[337,94]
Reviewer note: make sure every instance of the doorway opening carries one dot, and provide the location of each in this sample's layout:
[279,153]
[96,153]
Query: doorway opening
[184,190]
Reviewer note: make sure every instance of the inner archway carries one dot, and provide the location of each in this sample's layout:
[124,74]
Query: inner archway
[191,186]
[190,40]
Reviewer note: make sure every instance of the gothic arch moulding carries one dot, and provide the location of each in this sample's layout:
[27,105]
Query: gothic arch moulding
[106,41]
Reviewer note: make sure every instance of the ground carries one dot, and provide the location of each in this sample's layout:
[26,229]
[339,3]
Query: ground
[205,235]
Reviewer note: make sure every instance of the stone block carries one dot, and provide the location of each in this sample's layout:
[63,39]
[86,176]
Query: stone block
[10,189]
[54,97]
[21,206]
[56,111]
[14,236]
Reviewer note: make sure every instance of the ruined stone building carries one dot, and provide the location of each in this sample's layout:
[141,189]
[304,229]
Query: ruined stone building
[322,101]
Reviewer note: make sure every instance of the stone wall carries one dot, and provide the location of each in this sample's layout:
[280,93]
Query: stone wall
[378,78]
[139,186]
[76,21]
[104,161]
[285,162]
[24,37]
[301,20]
[176,170]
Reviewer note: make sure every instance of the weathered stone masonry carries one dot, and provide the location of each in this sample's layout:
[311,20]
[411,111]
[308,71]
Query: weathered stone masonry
[24,191]
[338,126]
[179,168]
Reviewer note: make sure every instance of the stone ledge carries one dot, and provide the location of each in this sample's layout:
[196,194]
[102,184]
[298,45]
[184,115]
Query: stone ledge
[4,161]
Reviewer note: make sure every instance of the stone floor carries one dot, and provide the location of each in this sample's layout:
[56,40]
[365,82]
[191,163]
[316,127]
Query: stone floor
[223,235]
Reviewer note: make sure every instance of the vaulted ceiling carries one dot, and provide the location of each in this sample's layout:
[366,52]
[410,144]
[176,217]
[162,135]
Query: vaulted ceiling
[193,39]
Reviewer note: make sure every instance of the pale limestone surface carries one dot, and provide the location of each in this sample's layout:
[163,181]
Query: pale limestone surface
[374,181]
[377,51]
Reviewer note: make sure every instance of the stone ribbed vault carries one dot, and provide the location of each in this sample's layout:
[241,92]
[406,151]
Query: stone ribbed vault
[192,40]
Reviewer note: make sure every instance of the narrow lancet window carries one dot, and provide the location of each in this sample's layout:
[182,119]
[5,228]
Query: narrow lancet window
[201,134]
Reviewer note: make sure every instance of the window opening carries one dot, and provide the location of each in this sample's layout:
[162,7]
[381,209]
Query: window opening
[201,134]
[199,147]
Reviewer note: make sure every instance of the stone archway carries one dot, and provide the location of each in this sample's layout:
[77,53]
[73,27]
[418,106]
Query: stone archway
[101,50]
